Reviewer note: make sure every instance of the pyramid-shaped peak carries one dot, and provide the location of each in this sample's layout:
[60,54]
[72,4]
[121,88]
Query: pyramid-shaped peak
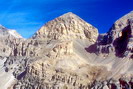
[66,27]
[69,15]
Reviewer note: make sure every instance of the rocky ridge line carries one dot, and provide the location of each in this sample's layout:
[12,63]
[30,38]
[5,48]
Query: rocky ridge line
[55,57]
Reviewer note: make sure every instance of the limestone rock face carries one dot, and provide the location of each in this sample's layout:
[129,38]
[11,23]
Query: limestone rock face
[68,26]
[119,38]
[68,53]
[48,54]
[121,25]
[6,40]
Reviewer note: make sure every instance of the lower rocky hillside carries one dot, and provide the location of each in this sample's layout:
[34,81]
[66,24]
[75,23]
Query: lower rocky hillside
[68,53]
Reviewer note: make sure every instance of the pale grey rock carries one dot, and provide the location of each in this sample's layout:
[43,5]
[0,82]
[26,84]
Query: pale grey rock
[56,56]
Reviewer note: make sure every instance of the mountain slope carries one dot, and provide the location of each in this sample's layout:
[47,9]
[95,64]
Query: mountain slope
[4,31]
[14,33]
[68,53]
[67,26]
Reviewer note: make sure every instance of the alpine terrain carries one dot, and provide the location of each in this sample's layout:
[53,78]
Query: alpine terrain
[68,53]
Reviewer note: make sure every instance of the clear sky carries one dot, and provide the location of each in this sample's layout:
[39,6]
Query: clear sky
[27,16]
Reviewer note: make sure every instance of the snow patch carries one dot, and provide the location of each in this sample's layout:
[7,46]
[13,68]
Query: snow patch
[14,33]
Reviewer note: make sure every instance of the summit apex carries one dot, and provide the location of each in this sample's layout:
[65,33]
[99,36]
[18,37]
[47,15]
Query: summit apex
[65,27]
[68,53]
[68,14]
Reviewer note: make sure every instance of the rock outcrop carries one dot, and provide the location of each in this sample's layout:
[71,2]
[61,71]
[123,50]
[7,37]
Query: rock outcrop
[66,27]
[68,53]
[119,38]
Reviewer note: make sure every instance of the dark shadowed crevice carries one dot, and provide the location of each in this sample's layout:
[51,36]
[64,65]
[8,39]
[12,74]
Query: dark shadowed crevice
[21,75]
[15,52]
[120,43]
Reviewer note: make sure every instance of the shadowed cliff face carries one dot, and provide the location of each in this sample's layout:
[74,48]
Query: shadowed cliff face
[67,53]
[118,39]
[121,43]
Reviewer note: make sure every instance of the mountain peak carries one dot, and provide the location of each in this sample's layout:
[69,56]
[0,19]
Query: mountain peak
[64,56]
[67,26]
[14,33]
[69,14]
[5,32]
[121,36]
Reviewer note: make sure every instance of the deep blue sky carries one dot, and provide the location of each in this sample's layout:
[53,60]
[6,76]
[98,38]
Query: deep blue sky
[27,16]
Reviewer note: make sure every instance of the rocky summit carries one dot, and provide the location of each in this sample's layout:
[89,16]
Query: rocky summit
[68,53]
